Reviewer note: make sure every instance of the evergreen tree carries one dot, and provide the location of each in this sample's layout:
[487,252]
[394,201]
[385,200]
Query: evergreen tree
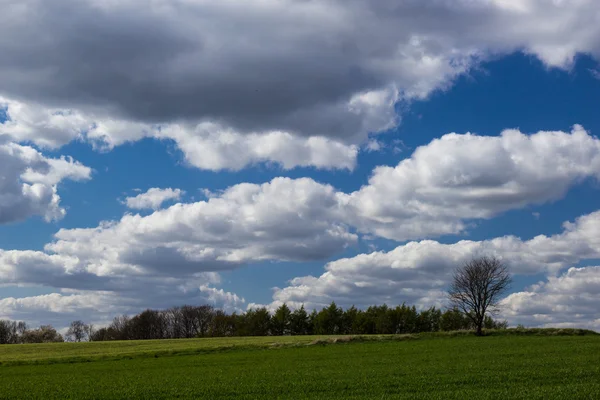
[329,320]
[280,322]
[299,322]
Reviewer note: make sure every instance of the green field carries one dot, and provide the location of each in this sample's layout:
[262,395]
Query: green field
[440,367]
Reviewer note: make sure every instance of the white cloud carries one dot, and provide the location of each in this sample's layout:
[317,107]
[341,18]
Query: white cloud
[99,307]
[45,127]
[208,146]
[28,184]
[55,308]
[443,185]
[219,297]
[374,145]
[418,272]
[153,198]
[333,70]
[177,251]
[463,177]
[283,220]
[98,295]
[568,300]
[213,147]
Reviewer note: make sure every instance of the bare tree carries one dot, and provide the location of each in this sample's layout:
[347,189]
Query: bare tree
[77,330]
[477,287]
[121,327]
[205,315]
[44,334]
[89,331]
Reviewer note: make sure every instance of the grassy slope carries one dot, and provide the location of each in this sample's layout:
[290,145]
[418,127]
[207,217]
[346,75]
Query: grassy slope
[52,353]
[68,352]
[458,367]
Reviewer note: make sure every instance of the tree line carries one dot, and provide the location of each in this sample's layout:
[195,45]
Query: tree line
[206,321]
[14,332]
[474,294]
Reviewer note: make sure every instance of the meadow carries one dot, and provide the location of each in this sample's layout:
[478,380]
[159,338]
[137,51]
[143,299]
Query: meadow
[448,366]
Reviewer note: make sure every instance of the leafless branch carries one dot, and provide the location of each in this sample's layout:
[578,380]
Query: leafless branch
[477,287]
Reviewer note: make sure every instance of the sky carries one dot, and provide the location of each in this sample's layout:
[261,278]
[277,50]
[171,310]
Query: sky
[260,152]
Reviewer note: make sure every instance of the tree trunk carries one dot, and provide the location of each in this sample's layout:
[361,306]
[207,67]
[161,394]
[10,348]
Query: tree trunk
[479,329]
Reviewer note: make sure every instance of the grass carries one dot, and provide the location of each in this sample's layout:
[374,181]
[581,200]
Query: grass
[50,353]
[528,365]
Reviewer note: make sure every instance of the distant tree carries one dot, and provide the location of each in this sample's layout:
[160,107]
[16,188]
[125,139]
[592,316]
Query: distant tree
[280,322]
[89,331]
[329,320]
[368,324]
[299,324]
[351,321]
[312,322]
[150,324]
[9,332]
[429,320]
[189,321]
[383,321]
[121,328]
[490,323]
[204,314]
[454,320]
[44,334]
[77,331]
[362,321]
[405,319]
[103,334]
[21,328]
[258,322]
[222,324]
[477,287]
[173,319]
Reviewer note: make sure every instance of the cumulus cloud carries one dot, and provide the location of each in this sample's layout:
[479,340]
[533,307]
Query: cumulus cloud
[58,309]
[179,250]
[219,297]
[153,198]
[283,220]
[445,183]
[99,307]
[416,273]
[439,189]
[29,182]
[568,300]
[96,296]
[374,145]
[332,69]
[209,146]
[419,272]
[213,147]
[457,178]
[42,126]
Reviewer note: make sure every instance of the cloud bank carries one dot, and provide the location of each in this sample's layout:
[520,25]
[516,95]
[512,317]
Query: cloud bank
[419,272]
[200,72]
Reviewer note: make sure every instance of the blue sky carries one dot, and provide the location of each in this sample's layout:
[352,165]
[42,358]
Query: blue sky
[225,128]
